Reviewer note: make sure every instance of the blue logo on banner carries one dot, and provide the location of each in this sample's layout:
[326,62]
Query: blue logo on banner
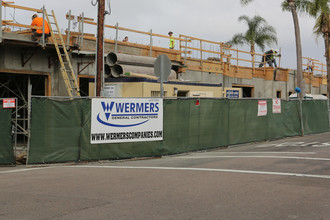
[126,110]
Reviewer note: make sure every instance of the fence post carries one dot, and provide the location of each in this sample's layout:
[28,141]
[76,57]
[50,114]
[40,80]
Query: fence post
[15,136]
[151,43]
[68,34]
[116,39]
[301,118]
[29,119]
[329,111]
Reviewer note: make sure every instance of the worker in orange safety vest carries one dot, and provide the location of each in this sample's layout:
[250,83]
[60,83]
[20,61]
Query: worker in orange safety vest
[36,33]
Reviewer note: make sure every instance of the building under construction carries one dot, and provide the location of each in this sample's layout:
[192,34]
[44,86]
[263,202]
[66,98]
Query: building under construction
[65,66]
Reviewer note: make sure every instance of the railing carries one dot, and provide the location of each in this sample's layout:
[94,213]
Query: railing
[117,28]
[314,66]
[11,23]
[190,48]
[205,50]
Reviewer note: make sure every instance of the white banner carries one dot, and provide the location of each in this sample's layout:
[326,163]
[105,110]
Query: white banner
[276,105]
[126,120]
[262,107]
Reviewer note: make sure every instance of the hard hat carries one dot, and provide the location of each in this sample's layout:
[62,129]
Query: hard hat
[34,16]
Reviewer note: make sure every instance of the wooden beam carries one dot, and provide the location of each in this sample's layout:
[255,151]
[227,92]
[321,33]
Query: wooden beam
[209,51]
[134,31]
[159,49]
[28,72]
[206,41]
[21,25]
[79,18]
[5,4]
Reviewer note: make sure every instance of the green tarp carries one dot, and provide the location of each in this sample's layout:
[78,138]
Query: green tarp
[6,147]
[60,130]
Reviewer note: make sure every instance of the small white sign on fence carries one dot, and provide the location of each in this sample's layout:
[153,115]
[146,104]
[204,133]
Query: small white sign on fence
[277,106]
[9,103]
[262,107]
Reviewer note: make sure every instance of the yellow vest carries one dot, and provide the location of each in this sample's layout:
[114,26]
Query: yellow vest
[172,43]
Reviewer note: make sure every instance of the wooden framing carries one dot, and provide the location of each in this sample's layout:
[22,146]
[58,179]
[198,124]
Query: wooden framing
[132,30]
[20,25]
[10,5]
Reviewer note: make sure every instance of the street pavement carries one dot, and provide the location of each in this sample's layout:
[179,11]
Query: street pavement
[281,179]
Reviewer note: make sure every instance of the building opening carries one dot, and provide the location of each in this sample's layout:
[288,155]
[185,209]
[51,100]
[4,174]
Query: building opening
[84,86]
[248,91]
[17,86]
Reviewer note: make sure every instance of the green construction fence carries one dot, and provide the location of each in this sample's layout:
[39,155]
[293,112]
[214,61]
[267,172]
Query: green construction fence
[6,146]
[60,130]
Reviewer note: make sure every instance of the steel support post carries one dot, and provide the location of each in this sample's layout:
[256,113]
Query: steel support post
[43,27]
[1,21]
[82,30]
[150,53]
[68,33]
[116,39]
[185,50]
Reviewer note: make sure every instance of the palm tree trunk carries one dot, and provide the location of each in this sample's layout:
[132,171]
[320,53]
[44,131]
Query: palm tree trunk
[327,43]
[300,78]
[252,50]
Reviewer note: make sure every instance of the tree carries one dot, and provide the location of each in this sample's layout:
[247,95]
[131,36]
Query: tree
[320,10]
[259,33]
[300,79]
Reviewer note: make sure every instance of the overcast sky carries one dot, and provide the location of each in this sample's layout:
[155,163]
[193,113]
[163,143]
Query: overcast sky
[214,20]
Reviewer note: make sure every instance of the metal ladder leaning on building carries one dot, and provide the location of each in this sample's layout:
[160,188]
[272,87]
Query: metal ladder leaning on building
[63,56]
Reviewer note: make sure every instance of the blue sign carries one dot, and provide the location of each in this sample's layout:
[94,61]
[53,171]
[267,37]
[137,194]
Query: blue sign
[232,93]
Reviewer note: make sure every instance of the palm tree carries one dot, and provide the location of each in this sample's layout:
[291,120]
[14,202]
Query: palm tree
[259,33]
[320,10]
[300,79]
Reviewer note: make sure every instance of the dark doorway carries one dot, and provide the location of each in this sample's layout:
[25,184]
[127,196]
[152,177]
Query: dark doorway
[16,86]
[84,86]
[247,91]
[183,93]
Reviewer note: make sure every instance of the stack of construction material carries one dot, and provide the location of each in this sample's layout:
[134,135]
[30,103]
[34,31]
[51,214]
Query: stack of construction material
[118,64]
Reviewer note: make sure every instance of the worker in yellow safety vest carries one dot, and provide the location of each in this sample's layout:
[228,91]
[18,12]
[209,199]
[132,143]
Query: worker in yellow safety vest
[172,40]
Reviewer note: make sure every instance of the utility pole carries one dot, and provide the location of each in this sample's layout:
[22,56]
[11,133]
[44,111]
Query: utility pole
[99,47]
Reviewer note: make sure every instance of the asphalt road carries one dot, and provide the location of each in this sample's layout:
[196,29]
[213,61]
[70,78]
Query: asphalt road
[282,179]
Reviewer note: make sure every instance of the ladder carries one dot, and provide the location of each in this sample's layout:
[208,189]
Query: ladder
[63,56]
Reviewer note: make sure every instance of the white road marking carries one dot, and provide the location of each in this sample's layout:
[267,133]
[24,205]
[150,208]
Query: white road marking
[265,152]
[23,170]
[272,157]
[209,170]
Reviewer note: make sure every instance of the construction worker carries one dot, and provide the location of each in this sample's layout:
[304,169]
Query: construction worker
[270,58]
[125,39]
[172,40]
[36,33]
[310,65]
